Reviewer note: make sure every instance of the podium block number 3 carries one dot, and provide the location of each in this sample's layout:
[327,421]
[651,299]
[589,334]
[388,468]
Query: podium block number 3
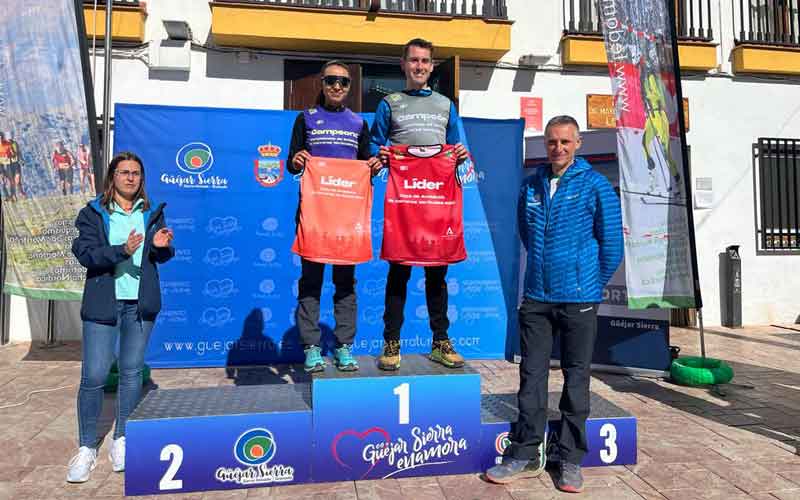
[609,453]
[402,392]
[174,454]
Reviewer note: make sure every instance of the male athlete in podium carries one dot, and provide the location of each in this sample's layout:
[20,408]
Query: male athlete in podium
[571,225]
[418,116]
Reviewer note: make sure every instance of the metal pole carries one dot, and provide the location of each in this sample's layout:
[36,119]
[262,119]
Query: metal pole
[702,335]
[107,87]
[4,303]
[50,340]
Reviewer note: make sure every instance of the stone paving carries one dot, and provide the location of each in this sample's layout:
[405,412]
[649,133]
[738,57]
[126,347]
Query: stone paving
[739,441]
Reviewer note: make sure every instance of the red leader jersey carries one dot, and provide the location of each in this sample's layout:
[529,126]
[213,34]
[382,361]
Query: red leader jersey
[335,209]
[423,208]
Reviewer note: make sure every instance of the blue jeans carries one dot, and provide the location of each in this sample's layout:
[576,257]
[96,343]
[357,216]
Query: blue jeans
[99,342]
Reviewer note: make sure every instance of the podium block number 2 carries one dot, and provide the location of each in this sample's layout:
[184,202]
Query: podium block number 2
[174,454]
[402,392]
[609,453]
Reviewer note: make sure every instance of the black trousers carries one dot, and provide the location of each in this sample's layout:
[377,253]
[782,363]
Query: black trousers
[577,326]
[435,296]
[344,302]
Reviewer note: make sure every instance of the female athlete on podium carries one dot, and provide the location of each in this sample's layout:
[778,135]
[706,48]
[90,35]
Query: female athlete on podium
[121,240]
[332,130]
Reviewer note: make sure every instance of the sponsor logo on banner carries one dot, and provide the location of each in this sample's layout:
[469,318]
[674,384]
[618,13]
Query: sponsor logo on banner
[220,289]
[481,257]
[223,226]
[419,288]
[270,228]
[501,442]
[266,290]
[176,287]
[472,288]
[453,287]
[181,224]
[268,257]
[195,159]
[452,313]
[268,169]
[183,255]
[475,229]
[372,315]
[254,449]
[216,317]
[432,445]
[374,288]
[172,316]
[220,257]
[471,315]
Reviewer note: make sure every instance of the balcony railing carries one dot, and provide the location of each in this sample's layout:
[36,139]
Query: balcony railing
[581,17]
[489,9]
[769,22]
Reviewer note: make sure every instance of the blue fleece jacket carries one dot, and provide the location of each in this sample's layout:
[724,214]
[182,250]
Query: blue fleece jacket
[574,240]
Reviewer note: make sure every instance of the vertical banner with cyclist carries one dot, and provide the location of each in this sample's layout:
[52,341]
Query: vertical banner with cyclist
[653,187]
[46,167]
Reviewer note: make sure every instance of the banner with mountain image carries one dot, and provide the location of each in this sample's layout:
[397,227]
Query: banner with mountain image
[46,168]
[655,201]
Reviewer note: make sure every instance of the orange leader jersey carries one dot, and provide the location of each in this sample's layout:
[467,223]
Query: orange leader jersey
[335,208]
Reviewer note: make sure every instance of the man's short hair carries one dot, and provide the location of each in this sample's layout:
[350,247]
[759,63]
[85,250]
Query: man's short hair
[562,120]
[417,42]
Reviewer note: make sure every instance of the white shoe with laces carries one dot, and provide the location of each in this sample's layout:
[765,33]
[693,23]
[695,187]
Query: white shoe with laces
[117,454]
[81,465]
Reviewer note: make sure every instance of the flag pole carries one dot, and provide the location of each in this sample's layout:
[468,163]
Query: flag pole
[687,175]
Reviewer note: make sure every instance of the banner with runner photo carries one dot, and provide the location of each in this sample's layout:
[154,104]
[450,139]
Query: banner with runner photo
[46,167]
[655,199]
[334,225]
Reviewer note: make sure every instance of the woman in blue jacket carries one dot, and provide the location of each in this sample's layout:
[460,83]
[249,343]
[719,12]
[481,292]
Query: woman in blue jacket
[121,239]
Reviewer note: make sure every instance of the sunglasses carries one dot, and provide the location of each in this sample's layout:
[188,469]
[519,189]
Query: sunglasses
[331,80]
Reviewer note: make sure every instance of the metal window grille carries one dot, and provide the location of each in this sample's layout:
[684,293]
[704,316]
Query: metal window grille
[581,17]
[770,22]
[777,185]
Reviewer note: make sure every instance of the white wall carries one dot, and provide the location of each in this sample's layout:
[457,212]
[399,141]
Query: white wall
[727,115]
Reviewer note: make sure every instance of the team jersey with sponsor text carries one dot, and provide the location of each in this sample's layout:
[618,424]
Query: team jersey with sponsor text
[335,208]
[423,207]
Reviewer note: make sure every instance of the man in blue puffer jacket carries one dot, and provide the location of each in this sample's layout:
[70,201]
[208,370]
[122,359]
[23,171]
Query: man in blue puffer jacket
[570,223]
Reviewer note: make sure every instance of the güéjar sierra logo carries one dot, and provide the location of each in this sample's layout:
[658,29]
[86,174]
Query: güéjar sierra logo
[195,159]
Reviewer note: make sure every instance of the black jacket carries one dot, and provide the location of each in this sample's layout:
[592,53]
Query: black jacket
[98,256]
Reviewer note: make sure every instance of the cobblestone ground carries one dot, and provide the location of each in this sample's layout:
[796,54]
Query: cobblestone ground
[737,442]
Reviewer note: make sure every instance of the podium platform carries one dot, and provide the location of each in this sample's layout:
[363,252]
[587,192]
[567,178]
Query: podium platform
[421,420]
[610,430]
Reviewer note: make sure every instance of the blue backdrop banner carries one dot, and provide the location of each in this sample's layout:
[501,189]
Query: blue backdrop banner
[230,293]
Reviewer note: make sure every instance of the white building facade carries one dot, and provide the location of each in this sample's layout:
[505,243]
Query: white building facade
[739,89]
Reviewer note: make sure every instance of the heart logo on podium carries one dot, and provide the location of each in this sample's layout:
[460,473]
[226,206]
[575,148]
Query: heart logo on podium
[360,436]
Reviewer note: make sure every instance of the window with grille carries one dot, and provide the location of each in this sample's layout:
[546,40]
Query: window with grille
[777,183]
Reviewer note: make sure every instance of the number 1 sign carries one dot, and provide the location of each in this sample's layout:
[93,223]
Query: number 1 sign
[378,424]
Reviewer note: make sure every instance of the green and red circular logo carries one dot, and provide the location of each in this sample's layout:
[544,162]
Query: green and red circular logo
[254,447]
[195,158]
[501,442]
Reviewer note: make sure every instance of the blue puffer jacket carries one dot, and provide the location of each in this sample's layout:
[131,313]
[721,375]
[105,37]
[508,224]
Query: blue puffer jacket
[98,256]
[574,241]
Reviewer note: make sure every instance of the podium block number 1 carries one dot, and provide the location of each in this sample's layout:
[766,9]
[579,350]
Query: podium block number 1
[609,453]
[174,454]
[402,392]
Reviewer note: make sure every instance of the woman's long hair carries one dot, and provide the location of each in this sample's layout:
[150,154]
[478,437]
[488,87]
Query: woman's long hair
[108,182]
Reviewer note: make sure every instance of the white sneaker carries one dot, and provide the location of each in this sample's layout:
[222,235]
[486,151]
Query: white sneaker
[81,465]
[117,454]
